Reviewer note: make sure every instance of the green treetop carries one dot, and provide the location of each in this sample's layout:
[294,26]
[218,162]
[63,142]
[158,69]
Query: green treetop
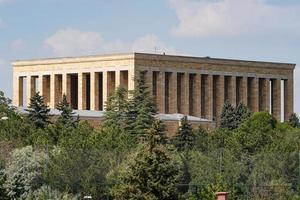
[228,118]
[142,106]
[185,137]
[38,111]
[116,110]
[232,117]
[294,120]
[242,113]
[151,173]
[66,116]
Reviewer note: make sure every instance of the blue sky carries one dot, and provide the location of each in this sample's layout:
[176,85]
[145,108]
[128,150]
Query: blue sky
[267,30]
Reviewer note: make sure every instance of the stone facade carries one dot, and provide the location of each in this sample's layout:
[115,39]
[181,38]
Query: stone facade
[192,86]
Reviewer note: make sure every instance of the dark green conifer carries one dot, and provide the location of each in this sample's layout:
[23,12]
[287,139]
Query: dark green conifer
[67,115]
[185,137]
[116,110]
[152,173]
[38,111]
[142,107]
[242,113]
[294,120]
[228,118]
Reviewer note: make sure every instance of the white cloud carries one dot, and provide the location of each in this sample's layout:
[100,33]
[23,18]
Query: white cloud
[18,45]
[70,41]
[206,18]
[149,43]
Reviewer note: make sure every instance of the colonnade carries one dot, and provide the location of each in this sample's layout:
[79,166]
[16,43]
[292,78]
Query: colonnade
[203,95]
[196,94]
[84,90]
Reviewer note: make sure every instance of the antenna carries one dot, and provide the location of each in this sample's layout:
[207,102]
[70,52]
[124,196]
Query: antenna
[155,49]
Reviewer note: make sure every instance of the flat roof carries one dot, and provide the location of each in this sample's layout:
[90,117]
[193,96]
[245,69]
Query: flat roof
[100,114]
[149,56]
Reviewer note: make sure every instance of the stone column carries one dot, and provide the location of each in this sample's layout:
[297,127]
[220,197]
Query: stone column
[197,96]
[41,85]
[92,90]
[58,88]
[149,81]
[131,74]
[161,92]
[52,91]
[18,91]
[255,95]
[233,91]
[288,98]
[277,99]
[185,94]
[220,95]
[266,95]
[209,97]
[118,78]
[104,88]
[173,93]
[66,86]
[244,91]
[81,91]
[30,88]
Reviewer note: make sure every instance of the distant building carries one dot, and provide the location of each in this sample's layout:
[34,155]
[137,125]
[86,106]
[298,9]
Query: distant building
[195,86]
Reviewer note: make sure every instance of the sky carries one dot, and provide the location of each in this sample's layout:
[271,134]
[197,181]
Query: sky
[264,30]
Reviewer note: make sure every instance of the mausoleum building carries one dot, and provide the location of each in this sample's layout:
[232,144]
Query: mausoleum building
[194,86]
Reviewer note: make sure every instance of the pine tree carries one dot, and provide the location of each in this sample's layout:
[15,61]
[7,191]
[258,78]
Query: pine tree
[185,137]
[228,117]
[232,117]
[142,107]
[294,120]
[38,111]
[116,110]
[66,116]
[152,173]
[3,192]
[242,113]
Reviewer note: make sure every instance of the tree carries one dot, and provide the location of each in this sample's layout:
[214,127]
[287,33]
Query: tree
[185,137]
[24,172]
[159,127]
[38,111]
[202,139]
[294,120]
[5,105]
[116,110]
[66,115]
[142,107]
[232,117]
[228,117]
[3,192]
[242,113]
[151,173]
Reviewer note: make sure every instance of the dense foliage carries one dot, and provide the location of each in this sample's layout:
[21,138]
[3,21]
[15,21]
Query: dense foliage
[150,173]
[129,156]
